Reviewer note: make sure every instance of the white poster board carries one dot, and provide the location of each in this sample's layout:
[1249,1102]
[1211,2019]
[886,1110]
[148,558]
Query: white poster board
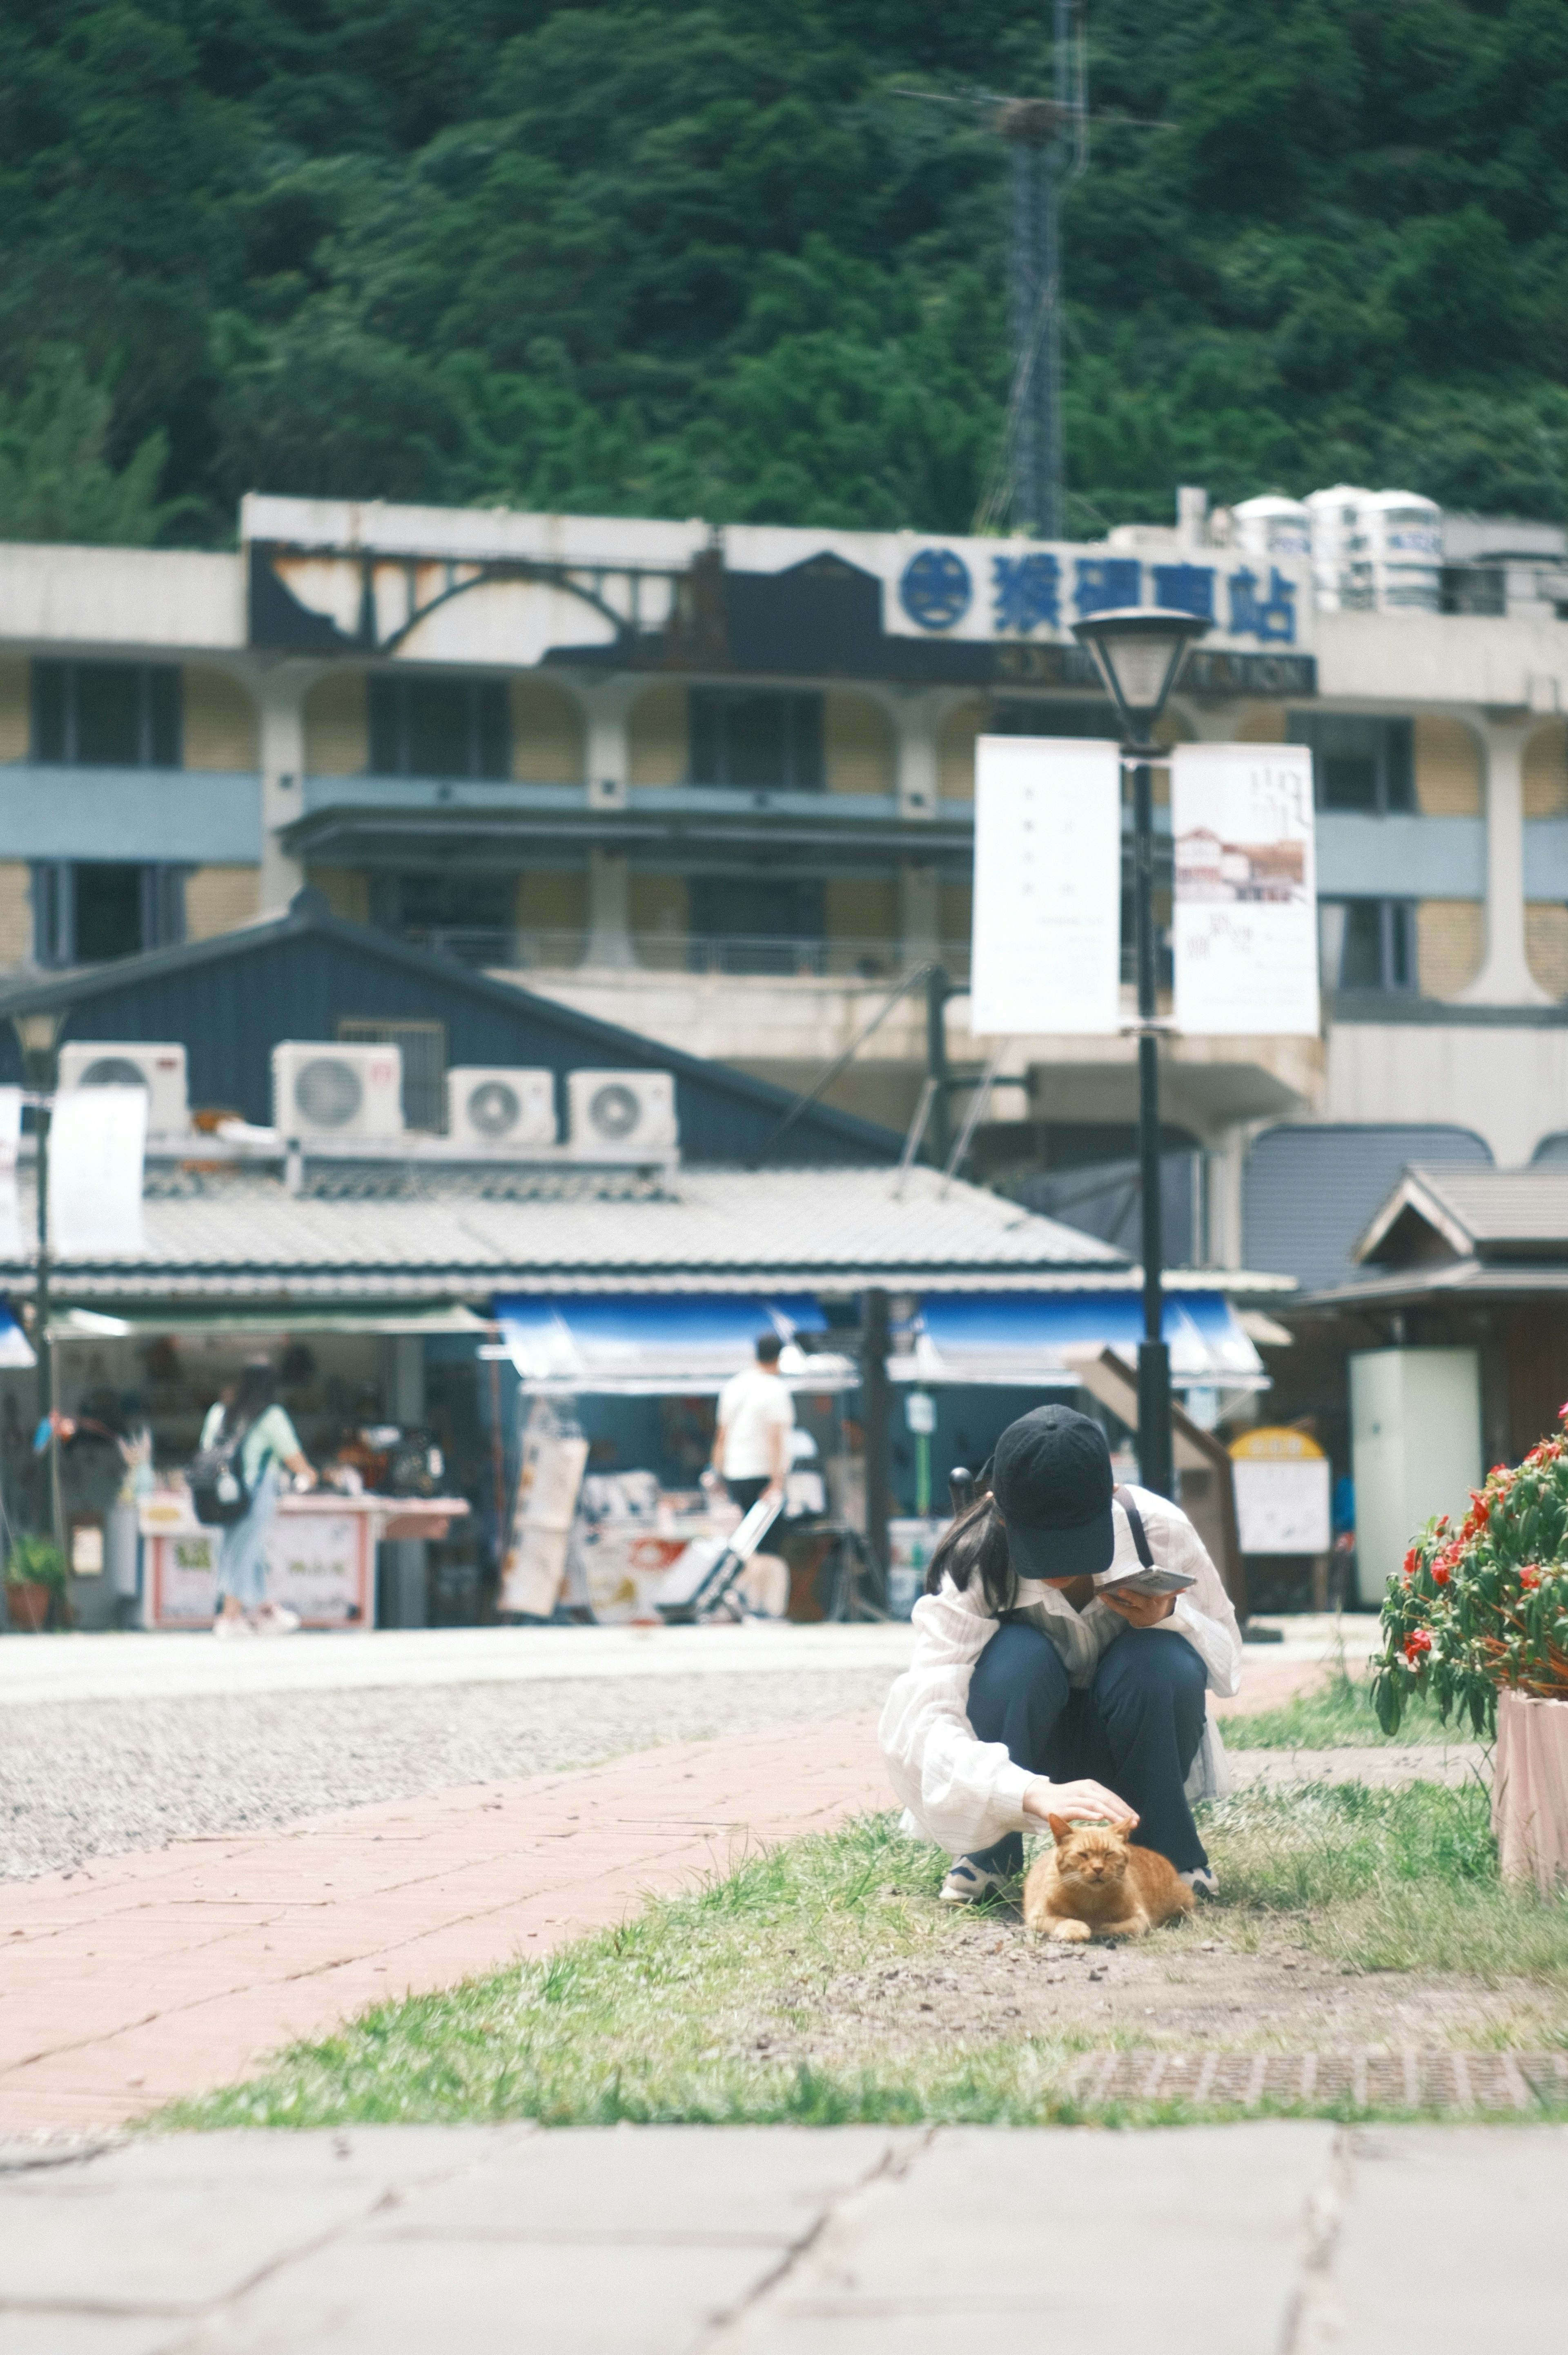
[10,1141]
[553,1462]
[97,1140]
[1047,903]
[1282,1507]
[1245,907]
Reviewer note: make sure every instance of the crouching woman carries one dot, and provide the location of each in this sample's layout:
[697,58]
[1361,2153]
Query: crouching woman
[1037,1689]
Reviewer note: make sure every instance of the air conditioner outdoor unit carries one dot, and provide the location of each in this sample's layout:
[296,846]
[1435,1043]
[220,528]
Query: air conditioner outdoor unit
[620,1116]
[337,1094]
[114,1064]
[494,1109]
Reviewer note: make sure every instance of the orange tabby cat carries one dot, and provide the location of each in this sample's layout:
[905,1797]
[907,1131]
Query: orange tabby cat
[1093,1883]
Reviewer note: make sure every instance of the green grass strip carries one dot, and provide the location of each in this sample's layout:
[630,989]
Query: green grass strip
[1338,1715]
[667,2019]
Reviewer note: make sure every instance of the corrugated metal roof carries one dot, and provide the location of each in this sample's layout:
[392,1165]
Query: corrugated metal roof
[242,1234]
[1312,1190]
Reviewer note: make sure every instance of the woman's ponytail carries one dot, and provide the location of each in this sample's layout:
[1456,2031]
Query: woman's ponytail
[976,1543]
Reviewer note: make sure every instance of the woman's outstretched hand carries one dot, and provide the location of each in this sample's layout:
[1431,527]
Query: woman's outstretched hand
[1089,1802]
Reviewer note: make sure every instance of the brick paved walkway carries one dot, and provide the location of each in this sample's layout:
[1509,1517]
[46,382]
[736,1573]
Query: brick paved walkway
[144,1977]
[1372,2077]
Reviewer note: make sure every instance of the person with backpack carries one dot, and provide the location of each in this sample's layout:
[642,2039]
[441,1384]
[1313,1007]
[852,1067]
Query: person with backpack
[1068,1637]
[249,1429]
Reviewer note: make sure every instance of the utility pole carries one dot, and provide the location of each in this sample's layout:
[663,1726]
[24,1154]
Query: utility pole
[1049,140]
[938,990]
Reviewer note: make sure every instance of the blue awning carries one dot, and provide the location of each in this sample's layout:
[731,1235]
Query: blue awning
[1033,1338]
[15,1349]
[645,1343]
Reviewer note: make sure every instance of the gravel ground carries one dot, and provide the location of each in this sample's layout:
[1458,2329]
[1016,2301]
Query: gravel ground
[83,1779]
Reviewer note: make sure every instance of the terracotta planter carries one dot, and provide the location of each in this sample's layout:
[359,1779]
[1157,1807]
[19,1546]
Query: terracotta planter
[1530,1789]
[28,1604]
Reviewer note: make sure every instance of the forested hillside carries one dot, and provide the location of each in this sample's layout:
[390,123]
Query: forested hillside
[704,260]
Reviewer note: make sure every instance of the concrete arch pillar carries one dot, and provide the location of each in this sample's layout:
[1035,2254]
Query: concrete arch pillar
[1505,978]
[281,692]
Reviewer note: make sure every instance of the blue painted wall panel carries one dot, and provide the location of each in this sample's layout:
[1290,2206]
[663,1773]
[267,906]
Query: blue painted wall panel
[208,816]
[1401,857]
[1546,859]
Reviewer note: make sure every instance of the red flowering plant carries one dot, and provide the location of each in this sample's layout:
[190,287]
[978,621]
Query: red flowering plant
[1484,1605]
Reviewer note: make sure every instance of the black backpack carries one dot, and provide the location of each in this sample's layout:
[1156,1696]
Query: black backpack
[217,1487]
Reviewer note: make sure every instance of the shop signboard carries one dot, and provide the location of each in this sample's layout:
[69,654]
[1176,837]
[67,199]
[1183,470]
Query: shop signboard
[1245,922]
[320,1562]
[1047,899]
[1282,1489]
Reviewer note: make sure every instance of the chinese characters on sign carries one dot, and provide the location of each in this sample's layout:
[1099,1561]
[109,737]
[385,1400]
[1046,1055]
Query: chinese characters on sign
[1245,916]
[1047,903]
[1043,589]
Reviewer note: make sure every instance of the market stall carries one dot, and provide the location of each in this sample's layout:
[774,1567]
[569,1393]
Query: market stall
[607,1541]
[321,1554]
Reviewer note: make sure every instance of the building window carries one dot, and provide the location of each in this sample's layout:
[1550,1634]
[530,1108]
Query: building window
[107,715]
[746,736]
[1082,716]
[1359,764]
[85,912]
[757,923]
[1367,943]
[425,727]
[470,917]
[424,1046]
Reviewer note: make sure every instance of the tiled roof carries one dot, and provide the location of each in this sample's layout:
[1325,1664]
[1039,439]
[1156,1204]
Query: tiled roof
[1492,1214]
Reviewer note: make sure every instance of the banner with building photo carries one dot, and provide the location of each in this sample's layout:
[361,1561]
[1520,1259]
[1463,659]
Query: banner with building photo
[1244,919]
[1048,901]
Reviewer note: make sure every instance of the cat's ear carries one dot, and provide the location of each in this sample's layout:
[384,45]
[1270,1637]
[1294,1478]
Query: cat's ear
[1061,1829]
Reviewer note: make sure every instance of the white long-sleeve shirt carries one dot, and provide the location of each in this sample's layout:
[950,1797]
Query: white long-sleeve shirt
[965,1793]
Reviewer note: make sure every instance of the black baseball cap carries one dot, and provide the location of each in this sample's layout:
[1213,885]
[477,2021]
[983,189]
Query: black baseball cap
[1051,1479]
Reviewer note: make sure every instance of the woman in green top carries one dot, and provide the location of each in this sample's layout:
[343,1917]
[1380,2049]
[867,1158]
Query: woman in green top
[269,1441]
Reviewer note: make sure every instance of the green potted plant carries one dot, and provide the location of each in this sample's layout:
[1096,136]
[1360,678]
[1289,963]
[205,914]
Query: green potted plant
[1478,1617]
[35,1574]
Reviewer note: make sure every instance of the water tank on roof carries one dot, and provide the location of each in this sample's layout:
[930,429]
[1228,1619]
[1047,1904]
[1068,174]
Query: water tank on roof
[1376,551]
[1340,567]
[1403,533]
[1273,526]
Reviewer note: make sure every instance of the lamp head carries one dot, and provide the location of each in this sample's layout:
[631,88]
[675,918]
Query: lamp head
[1139,651]
[39,1030]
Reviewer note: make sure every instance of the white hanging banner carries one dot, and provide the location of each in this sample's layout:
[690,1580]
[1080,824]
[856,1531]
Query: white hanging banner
[10,1139]
[97,1137]
[1047,906]
[1246,906]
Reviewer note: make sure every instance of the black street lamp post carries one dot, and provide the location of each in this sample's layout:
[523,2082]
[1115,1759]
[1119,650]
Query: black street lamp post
[1139,651]
[38,1034]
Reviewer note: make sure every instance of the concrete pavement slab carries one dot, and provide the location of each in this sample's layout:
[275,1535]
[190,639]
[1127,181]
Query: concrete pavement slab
[178,2225]
[1247,2240]
[1442,2242]
[767,2185]
[1063,2239]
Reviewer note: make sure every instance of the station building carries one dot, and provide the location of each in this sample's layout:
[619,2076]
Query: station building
[716,787]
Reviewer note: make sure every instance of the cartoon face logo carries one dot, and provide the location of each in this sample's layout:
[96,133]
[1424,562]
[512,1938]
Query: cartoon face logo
[935,588]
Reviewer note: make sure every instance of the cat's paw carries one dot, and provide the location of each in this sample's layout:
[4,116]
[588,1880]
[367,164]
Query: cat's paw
[1070,1934]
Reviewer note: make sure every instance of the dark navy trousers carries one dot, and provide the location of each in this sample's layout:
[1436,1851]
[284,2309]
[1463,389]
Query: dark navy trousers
[1136,1729]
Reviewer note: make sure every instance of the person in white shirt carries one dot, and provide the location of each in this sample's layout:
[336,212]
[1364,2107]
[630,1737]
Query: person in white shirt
[1036,1688]
[755,1417]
